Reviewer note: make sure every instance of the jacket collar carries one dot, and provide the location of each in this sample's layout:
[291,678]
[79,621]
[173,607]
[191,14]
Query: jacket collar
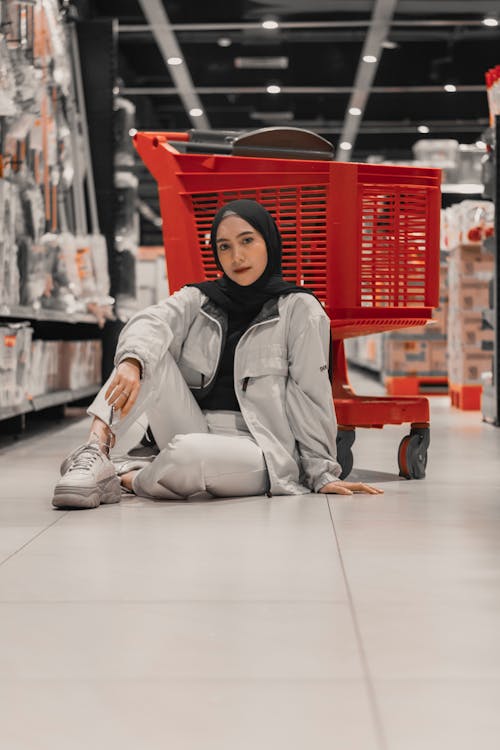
[269,311]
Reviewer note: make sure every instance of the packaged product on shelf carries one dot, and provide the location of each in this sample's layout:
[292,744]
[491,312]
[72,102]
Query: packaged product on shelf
[470,163]
[8,104]
[57,42]
[15,343]
[80,364]
[440,153]
[477,220]
[85,267]
[127,233]
[35,279]
[99,252]
[59,294]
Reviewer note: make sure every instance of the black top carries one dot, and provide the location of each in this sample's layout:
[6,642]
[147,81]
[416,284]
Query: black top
[222,396]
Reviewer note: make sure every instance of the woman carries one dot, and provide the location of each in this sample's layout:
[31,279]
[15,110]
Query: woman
[232,378]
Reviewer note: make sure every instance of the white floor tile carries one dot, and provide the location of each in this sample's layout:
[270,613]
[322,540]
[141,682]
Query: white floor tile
[434,715]
[179,641]
[223,715]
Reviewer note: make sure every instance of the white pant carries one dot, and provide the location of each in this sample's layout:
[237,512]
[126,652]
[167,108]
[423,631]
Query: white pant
[200,452]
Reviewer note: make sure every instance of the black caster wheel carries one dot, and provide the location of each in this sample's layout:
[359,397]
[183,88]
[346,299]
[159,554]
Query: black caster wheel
[345,440]
[412,453]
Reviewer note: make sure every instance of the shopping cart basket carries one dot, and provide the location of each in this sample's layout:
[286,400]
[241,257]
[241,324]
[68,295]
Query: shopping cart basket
[363,237]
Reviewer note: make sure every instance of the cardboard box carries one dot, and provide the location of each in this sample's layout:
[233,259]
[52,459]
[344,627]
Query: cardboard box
[438,357]
[473,263]
[466,329]
[472,297]
[467,366]
[406,357]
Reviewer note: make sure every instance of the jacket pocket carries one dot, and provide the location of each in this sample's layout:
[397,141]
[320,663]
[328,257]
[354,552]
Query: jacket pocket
[261,362]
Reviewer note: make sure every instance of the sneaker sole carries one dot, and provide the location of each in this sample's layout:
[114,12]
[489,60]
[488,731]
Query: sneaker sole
[106,492]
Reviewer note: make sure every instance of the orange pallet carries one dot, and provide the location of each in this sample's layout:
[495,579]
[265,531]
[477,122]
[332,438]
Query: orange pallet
[466,397]
[415,385]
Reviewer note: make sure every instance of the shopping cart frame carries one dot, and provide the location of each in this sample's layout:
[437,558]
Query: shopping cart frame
[387,217]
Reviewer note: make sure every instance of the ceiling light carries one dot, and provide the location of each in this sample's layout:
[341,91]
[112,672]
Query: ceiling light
[273,89]
[116,90]
[270,23]
[224,41]
[423,129]
[196,112]
[450,88]
[272,116]
[369,58]
[345,146]
[388,44]
[354,111]
[490,21]
[132,132]
[256,63]
[175,61]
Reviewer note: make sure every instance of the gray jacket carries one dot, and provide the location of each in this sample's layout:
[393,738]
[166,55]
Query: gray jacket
[280,376]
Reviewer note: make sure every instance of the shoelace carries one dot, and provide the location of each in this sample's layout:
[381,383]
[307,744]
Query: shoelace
[86,458]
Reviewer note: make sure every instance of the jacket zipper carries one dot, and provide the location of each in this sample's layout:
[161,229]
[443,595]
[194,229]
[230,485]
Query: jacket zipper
[219,358]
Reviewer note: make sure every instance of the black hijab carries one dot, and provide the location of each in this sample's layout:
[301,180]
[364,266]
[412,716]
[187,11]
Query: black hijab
[248,300]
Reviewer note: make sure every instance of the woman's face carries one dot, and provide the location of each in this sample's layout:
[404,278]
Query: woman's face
[241,250]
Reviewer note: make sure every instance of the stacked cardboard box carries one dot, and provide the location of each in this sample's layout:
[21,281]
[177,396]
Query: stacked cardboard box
[420,351]
[470,346]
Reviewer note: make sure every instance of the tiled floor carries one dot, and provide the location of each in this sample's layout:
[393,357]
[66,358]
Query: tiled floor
[253,624]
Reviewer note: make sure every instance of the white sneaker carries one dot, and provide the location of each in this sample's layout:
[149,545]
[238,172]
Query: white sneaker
[88,479]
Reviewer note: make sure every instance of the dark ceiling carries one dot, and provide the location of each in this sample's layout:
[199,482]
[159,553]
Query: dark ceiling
[420,46]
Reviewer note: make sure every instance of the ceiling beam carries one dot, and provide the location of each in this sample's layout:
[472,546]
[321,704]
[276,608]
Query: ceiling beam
[207,90]
[157,18]
[132,28]
[378,32]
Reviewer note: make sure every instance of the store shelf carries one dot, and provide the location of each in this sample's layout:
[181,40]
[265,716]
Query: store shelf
[58,316]
[47,400]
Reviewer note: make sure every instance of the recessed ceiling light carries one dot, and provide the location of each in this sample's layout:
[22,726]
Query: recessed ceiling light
[490,21]
[175,61]
[270,23]
[116,90]
[354,111]
[273,88]
[196,112]
[388,44]
[224,41]
[369,58]
[450,88]
[345,146]
[423,129]
[132,132]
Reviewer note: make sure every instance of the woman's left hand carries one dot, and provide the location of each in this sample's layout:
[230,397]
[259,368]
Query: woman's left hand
[349,488]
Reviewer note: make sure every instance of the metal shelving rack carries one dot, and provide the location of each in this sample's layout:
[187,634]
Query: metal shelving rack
[87,105]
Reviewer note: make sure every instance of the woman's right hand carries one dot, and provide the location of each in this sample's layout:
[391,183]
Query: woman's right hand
[124,388]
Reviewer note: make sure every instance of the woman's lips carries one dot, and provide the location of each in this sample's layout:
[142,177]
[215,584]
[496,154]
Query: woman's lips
[241,270]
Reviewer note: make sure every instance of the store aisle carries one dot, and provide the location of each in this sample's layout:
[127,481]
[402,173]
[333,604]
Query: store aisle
[284,623]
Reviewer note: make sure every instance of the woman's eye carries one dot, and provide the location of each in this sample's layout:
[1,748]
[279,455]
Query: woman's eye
[223,247]
[247,240]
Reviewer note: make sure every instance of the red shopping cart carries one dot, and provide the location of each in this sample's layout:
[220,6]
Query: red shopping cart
[363,237]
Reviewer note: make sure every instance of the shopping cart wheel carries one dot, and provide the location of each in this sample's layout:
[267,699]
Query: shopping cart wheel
[345,439]
[412,453]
